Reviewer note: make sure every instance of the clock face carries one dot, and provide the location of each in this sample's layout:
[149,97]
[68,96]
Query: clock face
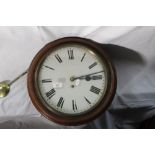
[72,79]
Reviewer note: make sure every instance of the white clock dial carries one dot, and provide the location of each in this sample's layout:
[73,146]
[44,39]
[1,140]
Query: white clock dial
[72,79]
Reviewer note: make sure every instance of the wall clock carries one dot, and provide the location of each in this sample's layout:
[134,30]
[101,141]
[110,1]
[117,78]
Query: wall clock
[71,81]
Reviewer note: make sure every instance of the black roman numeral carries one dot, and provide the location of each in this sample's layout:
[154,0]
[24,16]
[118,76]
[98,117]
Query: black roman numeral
[96,77]
[51,93]
[60,102]
[95,90]
[74,105]
[49,67]
[58,58]
[83,57]
[87,100]
[46,80]
[71,54]
[93,65]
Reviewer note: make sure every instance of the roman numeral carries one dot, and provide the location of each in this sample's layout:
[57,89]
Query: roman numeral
[93,65]
[96,77]
[49,67]
[46,80]
[71,54]
[83,57]
[87,100]
[51,93]
[58,58]
[95,90]
[74,105]
[60,102]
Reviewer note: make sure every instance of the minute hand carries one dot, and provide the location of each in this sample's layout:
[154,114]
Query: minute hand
[80,77]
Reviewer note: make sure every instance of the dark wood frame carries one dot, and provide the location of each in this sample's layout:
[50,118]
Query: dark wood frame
[66,119]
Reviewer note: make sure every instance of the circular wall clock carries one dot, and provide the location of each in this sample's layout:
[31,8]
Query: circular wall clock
[71,81]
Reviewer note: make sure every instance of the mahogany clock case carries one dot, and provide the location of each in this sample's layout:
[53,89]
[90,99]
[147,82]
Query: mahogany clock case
[61,118]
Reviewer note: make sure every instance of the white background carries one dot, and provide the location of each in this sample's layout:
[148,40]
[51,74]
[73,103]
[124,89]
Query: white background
[69,12]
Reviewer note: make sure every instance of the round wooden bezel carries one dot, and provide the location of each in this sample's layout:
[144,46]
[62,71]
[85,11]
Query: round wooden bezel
[77,119]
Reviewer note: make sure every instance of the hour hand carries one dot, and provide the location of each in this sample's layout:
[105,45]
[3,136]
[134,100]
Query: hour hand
[95,77]
[88,77]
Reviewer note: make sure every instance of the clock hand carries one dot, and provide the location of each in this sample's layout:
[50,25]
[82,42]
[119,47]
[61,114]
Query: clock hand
[84,76]
[88,78]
